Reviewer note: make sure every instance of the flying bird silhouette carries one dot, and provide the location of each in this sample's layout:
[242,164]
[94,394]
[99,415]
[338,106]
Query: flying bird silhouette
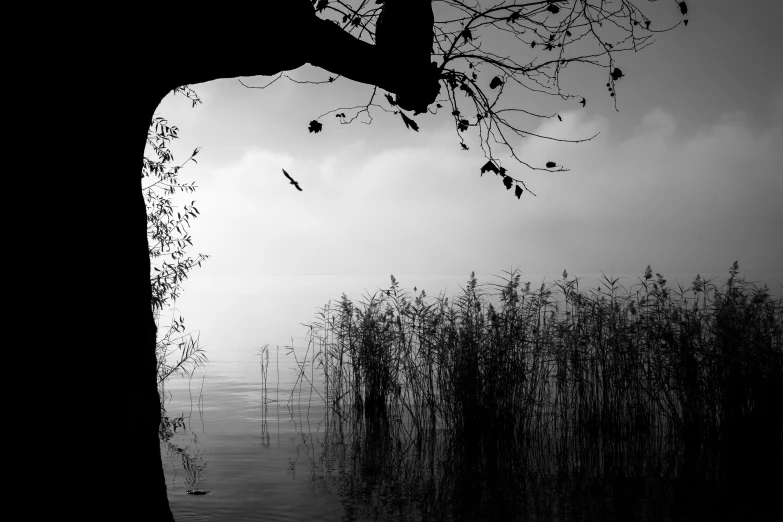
[294,183]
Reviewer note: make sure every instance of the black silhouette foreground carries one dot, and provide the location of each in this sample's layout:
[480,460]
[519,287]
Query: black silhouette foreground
[109,419]
[101,415]
[294,183]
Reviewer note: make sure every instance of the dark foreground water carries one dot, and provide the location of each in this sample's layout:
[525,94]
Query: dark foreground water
[289,461]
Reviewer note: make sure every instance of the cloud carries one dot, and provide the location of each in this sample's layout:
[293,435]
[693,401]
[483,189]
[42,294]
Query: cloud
[653,195]
[684,203]
[680,198]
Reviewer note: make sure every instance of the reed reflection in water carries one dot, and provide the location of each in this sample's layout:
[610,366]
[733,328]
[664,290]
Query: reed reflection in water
[652,405]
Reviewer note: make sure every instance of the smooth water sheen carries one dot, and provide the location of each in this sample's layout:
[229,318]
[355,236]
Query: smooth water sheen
[272,466]
[224,448]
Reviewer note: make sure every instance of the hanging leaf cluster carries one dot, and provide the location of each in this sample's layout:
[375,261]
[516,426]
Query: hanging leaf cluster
[167,235]
[508,181]
[461,55]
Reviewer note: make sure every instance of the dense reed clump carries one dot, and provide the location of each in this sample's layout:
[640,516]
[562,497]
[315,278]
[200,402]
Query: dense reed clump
[602,382]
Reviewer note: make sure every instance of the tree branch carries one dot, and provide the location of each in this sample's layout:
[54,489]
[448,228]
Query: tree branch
[237,47]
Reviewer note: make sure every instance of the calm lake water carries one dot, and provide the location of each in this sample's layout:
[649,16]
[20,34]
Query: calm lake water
[264,453]
[253,471]
[280,465]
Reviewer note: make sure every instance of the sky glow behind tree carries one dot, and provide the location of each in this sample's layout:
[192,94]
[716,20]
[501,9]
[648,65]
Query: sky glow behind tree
[686,177]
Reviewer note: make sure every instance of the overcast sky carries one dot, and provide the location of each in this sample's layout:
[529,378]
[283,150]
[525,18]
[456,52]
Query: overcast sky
[686,177]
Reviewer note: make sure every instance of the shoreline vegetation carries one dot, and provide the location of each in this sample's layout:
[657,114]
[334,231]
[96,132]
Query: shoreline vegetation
[611,404]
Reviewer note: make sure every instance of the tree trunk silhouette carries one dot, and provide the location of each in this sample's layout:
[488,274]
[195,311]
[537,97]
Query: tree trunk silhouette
[120,65]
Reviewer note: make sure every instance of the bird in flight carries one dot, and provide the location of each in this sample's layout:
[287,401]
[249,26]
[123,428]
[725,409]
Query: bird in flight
[294,183]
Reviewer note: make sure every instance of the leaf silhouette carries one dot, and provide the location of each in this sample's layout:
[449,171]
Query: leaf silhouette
[321,5]
[552,8]
[462,125]
[467,35]
[683,8]
[518,191]
[559,118]
[514,16]
[495,83]
[686,22]
[507,181]
[583,102]
[409,122]
[647,23]
[617,74]
[315,126]
[489,166]
[390,100]
[551,164]
[464,147]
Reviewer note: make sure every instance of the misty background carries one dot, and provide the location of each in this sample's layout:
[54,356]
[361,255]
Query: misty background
[686,177]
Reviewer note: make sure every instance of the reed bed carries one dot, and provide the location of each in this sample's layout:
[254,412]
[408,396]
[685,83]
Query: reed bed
[597,383]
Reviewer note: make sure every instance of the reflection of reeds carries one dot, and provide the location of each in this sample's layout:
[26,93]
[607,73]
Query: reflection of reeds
[185,450]
[264,353]
[650,383]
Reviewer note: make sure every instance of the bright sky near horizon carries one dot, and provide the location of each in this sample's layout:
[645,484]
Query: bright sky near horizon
[686,177]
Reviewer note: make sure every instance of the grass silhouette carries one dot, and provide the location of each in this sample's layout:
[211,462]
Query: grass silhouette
[606,387]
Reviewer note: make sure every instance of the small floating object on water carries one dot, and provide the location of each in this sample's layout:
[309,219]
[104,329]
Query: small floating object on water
[196,491]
